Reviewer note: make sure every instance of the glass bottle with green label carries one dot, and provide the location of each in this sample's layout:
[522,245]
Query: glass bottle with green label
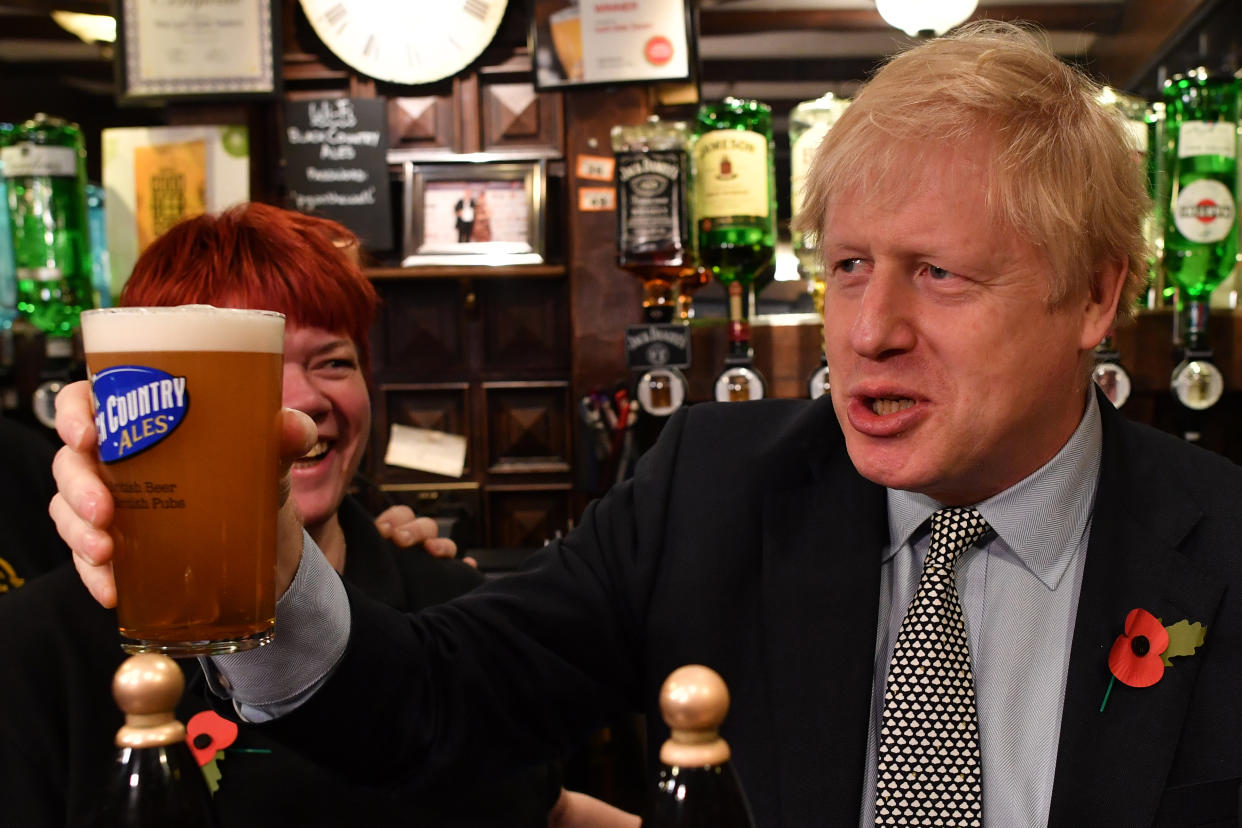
[735,201]
[809,122]
[1201,228]
[45,175]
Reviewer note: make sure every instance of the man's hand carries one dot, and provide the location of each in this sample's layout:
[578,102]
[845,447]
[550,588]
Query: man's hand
[574,809]
[400,525]
[82,507]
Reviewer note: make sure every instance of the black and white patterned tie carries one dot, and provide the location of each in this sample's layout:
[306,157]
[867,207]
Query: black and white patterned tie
[929,770]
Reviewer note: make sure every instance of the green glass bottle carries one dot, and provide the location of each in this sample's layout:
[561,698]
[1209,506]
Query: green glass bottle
[1200,233]
[45,174]
[735,193]
[8,273]
[1141,122]
[1159,293]
[809,122]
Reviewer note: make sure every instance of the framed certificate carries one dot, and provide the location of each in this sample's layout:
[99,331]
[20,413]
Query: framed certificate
[195,50]
[610,41]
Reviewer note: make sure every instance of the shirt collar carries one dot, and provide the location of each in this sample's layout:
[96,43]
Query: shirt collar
[1041,518]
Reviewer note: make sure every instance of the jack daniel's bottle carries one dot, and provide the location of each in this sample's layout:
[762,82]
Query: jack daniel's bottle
[696,787]
[155,780]
[654,236]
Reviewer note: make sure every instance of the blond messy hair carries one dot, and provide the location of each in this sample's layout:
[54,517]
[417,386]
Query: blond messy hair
[1060,169]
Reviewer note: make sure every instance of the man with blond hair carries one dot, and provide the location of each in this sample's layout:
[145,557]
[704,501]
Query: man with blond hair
[919,589]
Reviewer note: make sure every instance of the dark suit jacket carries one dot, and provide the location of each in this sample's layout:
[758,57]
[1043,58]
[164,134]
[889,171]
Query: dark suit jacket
[746,541]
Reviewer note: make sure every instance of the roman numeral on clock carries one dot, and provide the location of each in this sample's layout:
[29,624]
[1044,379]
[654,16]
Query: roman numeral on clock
[371,50]
[337,16]
[478,8]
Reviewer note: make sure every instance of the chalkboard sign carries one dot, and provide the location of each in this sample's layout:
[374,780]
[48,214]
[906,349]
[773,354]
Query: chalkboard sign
[335,159]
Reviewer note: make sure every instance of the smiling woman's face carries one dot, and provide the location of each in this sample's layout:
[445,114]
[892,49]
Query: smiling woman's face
[324,380]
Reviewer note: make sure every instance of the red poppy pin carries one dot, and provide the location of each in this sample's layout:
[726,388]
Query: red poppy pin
[1142,651]
[208,734]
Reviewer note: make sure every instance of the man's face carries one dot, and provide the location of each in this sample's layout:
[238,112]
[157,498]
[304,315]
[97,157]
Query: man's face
[950,376]
[324,380]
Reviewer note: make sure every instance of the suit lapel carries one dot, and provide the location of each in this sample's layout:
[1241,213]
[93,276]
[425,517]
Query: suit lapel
[1112,765]
[821,554]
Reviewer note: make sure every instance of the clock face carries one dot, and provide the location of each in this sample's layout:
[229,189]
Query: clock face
[406,41]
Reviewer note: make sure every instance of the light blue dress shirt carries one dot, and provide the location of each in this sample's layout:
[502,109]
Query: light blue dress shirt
[1019,593]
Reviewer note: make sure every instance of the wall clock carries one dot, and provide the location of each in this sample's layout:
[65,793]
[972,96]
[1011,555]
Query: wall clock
[406,41]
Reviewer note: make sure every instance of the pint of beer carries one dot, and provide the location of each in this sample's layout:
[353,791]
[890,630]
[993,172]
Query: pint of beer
[187,406]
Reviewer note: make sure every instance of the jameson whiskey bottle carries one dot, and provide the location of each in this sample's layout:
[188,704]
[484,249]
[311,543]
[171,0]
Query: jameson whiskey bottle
[735,203]
[1201,230]
[696,786]
[45,174]
[654,238]
[155,780]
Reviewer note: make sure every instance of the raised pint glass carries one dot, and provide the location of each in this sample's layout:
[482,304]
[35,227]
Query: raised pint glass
[187,407]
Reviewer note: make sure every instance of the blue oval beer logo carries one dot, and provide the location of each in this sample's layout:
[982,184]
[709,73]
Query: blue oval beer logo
[135,408]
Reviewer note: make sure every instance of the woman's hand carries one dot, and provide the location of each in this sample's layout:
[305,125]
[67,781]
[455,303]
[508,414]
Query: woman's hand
[400,525]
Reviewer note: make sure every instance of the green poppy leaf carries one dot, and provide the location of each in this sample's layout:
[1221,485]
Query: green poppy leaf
[1184,639]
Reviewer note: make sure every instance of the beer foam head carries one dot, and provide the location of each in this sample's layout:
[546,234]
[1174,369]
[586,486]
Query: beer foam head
[182,328]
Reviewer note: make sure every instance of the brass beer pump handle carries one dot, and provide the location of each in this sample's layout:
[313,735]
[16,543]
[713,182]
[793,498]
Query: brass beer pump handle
[694,701]
[147,688]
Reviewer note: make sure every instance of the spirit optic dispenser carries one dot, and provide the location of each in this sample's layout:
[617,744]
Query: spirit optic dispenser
[655,242]
[809,122]
[735,209]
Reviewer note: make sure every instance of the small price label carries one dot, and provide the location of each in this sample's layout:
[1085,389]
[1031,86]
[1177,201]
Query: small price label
[595,167]
[597,199]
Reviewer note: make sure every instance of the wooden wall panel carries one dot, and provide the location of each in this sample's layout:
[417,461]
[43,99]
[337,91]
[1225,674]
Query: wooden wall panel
[525,326]
[526,517]
[420,330]
[515,117]
[528,428]
[424,123]
[436,406]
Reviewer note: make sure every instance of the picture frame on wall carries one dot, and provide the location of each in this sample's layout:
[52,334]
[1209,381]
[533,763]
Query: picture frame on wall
[608,42]
[173,51]
[474,213]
